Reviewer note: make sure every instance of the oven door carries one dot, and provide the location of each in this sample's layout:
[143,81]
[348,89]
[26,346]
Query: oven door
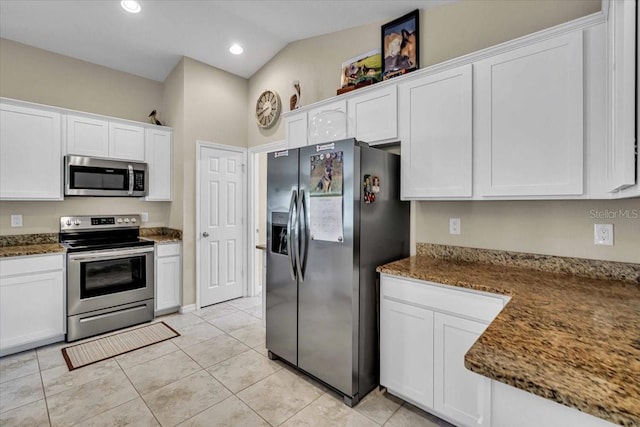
[108,278]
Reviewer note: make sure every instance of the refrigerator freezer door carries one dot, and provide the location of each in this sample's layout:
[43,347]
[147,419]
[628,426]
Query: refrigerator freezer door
[327,297]
[281,288]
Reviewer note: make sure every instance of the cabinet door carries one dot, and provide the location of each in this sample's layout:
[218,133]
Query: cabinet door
[459,393]
[296,130]
[374,115]
[126,142]
[87,137]
[32,308]
[30,154]
[435,120]
[406,351]
[168,282]
[328,123]
[158,158]
[529,119]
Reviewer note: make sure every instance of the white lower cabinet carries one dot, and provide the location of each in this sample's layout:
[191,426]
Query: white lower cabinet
[459,393]
[406,351]
[32,302]
[168,277]
[425,331]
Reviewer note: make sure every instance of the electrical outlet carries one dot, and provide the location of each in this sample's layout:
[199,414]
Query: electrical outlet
[454,225]
[603,234]
[16,220]
[145,216]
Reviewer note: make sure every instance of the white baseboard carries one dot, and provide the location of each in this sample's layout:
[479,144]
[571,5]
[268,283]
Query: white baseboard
[187,308]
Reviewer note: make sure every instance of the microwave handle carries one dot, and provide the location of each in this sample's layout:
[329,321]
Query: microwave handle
[130,179]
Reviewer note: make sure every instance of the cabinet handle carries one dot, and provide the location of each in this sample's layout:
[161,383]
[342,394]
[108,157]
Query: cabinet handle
[205,234]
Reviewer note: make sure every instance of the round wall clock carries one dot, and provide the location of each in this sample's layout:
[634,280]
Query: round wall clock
[267,109]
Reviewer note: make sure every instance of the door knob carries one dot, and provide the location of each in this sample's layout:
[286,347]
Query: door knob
[205,234]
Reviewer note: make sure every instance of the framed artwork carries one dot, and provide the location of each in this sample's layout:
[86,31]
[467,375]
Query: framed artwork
[367,66]
[400,46]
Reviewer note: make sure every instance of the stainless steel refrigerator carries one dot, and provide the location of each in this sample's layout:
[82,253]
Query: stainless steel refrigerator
[333,215]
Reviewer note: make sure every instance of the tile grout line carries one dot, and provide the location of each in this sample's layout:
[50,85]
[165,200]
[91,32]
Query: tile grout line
[44,394]
[138,392]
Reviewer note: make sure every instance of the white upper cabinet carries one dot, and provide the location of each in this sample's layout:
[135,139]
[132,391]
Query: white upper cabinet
[126,142]
[621,64]
[101,138]
[30,153]
[158,158]
[436,131]
[328,122]
[296,129]
[529,119]
[374,115]
[87,136]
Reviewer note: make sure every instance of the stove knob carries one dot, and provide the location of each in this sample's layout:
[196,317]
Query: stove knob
[133,220]
[126,220]
[68,222]
[77,222]
[119,220]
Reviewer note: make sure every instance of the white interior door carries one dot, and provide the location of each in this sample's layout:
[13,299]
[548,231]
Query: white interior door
[221,230]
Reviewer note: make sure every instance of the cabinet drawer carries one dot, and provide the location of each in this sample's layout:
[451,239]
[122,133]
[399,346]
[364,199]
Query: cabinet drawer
[30,264]
[167,249]
[442,298]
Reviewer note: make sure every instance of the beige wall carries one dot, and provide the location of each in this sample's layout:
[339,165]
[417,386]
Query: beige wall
[35,75]
[446,32]
[215,110]
[550,227]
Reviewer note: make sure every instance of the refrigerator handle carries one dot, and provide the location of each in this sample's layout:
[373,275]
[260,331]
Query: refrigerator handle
[290,226]
[303,233]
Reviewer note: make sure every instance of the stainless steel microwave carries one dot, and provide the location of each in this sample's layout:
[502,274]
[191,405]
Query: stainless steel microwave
[88,176]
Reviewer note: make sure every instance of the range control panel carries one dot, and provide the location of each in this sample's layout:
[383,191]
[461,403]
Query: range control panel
[98,222]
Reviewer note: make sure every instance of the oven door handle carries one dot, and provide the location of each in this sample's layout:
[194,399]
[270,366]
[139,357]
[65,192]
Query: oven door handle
[93,255]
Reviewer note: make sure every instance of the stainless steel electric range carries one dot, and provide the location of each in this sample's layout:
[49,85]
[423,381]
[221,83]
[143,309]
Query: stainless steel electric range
[110,274]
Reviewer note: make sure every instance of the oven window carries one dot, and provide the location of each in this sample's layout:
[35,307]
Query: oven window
[111,276]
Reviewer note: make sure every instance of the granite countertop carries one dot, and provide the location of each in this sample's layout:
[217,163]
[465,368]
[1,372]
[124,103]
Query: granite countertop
[29,244]
[571,339]
[161,234]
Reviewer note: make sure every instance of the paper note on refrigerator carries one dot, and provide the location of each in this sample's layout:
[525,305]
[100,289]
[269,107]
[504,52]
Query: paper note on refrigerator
[325,219]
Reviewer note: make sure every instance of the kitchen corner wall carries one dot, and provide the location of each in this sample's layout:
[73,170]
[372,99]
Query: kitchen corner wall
[36,75]
[563,228]
[203,103]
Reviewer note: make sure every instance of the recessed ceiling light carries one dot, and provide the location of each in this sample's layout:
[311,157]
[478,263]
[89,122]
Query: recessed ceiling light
[236,49]
[131,6]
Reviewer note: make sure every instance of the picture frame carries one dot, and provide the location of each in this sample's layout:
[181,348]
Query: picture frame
[400,45]
[364,67]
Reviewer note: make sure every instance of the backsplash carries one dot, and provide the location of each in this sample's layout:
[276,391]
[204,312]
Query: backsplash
[595,269]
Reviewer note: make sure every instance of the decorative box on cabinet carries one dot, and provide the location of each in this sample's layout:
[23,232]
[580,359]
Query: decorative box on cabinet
[529,119]
[435,121]
[87,136]
[168,277]
[158,157]
[296,129]
[30,153]
[425,331]
[32,302]
[374,115]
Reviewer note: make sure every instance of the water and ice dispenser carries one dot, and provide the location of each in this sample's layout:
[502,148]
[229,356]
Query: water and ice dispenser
[279,232]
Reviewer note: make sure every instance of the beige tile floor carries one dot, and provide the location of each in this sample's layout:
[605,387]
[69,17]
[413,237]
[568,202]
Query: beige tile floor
[215,374]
